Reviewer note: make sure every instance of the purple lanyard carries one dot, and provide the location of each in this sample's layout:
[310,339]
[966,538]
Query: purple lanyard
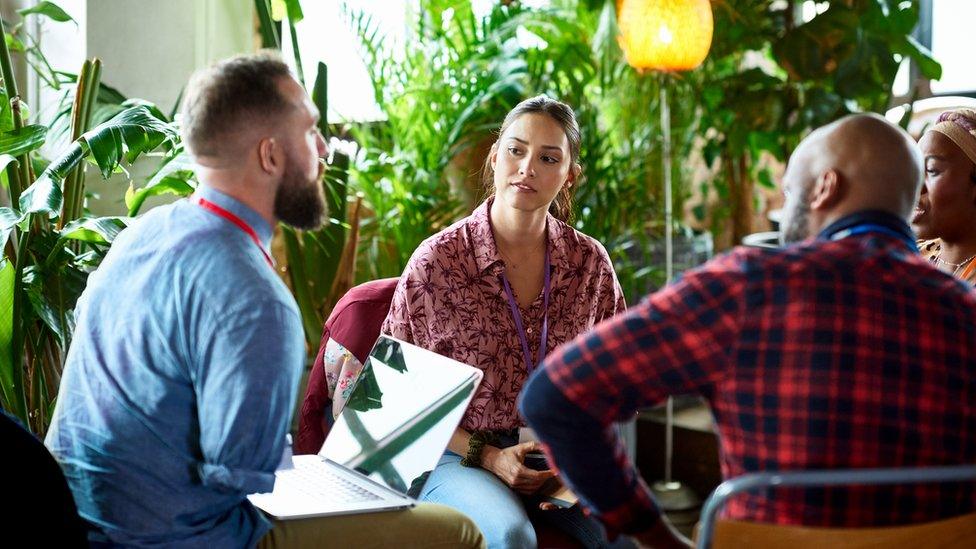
[517,316]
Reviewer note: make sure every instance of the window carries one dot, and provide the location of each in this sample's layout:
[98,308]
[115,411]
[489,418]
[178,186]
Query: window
[953,44]
[325,35]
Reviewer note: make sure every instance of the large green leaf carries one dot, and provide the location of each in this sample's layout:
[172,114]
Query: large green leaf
[927,64]
[98,230]
[48,9]
[127,135]
[178,183]
[174,177]
[6,159]
[44,196]
[24,140]
[11,389]
[9,218]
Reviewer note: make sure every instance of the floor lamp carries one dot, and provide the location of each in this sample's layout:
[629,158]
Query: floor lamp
[666,36]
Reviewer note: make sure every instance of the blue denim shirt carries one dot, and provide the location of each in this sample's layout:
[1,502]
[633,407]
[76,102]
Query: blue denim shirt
[180,381]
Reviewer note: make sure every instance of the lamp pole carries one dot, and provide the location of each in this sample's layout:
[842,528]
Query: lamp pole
[671,494]
[666,166]
[666,35]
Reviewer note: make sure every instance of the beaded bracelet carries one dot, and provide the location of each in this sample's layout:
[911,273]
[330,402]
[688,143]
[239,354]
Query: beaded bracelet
[476,444]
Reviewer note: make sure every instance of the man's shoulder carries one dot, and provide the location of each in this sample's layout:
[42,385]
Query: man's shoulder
[850,262]
[201,257]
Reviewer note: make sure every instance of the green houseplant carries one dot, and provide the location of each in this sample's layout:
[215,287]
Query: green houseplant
[771,78]
[459,73]
[49,243]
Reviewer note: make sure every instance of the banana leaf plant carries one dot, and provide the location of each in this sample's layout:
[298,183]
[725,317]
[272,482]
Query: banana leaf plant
[318,265]
[49,244]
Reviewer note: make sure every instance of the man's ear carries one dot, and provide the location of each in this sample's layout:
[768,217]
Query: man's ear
[268,155]
[827,191]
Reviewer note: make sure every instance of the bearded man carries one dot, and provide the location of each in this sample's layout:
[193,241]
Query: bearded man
[188,349]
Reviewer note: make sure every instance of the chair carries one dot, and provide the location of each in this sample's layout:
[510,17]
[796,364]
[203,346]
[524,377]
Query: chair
[954,532]
[38,504]
[355,323]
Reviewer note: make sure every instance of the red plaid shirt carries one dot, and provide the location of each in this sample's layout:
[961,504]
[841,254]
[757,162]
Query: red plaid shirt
[849,352]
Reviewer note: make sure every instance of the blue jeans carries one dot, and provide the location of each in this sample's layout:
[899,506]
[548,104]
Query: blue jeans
[501,513]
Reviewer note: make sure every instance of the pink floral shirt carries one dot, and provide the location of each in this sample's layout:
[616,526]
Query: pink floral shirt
[451,300]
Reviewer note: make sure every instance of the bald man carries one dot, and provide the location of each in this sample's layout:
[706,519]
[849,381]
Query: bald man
[843,349]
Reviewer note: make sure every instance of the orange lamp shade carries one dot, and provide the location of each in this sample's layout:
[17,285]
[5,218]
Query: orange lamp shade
[669,35]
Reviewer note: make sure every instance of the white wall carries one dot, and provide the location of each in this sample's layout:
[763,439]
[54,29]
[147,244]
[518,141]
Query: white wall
[149,49]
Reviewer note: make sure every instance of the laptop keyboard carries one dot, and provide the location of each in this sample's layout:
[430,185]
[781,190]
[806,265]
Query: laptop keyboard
[317,480]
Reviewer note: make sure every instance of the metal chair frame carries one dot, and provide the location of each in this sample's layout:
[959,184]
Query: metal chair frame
[755,481]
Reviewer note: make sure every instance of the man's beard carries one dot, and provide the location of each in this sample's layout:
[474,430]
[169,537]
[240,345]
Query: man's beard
[797,225]
[299,201]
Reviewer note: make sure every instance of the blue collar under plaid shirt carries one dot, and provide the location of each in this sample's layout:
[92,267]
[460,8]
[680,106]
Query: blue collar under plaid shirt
[847,350]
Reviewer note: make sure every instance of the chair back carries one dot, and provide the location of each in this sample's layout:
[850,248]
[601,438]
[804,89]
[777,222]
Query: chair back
[38,504]
[728,534]
[355,323]
[954,532]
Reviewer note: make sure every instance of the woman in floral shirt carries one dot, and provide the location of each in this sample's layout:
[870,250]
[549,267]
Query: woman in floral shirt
[490,291]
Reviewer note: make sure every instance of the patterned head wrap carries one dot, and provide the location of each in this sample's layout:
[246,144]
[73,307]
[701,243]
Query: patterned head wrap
[960,126]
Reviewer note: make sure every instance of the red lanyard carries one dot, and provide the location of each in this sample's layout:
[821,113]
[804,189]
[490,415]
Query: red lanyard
[517,316]
[240,223]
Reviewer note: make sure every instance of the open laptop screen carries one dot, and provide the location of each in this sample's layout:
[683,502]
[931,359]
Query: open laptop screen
[400,415]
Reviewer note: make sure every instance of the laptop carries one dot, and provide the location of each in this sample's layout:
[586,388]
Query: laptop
[395,425]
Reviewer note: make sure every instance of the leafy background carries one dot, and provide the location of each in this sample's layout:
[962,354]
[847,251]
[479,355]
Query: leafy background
[768,80]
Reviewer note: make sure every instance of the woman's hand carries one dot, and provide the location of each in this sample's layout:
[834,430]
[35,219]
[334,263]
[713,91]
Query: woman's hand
[507,464]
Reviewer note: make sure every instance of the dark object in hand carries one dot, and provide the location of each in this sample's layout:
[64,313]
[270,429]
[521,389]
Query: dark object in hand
[536,461]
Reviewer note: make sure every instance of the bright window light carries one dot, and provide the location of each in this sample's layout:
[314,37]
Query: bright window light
[953,44]
[325,35]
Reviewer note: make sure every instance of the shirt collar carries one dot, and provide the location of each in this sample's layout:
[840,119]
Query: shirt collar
[236,207]
[487,256]
[884,219]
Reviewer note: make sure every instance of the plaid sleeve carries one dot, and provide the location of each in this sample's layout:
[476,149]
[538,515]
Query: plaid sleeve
[676,341]
[588,456]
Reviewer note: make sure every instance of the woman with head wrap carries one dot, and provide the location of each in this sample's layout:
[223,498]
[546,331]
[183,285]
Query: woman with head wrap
[945,218]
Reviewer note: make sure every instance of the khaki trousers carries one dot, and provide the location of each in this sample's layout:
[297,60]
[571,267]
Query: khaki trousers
[426,525]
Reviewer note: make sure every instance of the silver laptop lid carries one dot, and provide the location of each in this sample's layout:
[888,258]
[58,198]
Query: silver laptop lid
[401,413]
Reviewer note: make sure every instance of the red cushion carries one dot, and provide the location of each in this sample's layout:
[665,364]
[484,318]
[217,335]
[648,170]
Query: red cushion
[355,323]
